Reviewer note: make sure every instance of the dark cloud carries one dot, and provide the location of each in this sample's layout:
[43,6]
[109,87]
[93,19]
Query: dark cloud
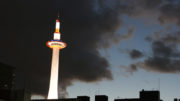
[164,11]
[161,50]
[168,37]
[165,58]
[134,54]
[173,38]
[133,67]
[169,12]
[165,55]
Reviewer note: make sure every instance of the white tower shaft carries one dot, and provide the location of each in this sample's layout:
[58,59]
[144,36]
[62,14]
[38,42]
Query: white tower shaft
[53,87]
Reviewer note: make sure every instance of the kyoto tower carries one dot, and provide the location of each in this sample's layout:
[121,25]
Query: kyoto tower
[56,45]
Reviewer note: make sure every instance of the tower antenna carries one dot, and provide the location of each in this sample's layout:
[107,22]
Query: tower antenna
[58,14]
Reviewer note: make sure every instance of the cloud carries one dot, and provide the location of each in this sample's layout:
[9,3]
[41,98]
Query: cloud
[172,38]
[134,54]
[164,11]
[169,12]
[165,58]
[165,55]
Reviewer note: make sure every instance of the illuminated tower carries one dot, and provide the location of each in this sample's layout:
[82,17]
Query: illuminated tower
[56,44]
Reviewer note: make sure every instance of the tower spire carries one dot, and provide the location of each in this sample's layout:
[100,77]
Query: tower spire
[58,14]
[57,34]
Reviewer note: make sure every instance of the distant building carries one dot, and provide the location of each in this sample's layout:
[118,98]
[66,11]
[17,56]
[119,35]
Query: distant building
[43,100]
[79,98]
[130,99]
[7,76]
[21,95]
[66,99]
[175,99]
[83,98]
[101,98]
[144,96]
[149,95]
[7,91]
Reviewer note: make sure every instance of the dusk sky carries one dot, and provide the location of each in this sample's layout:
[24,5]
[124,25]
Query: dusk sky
[114,47]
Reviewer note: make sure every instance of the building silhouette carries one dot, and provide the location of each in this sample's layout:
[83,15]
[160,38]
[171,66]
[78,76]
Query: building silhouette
[144,96]
[149,96]
[130,99]
[79,98]
[83,98]
[21,95]
[7,76]
[7,90]
[101,98]
[67,99]
[176,99]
